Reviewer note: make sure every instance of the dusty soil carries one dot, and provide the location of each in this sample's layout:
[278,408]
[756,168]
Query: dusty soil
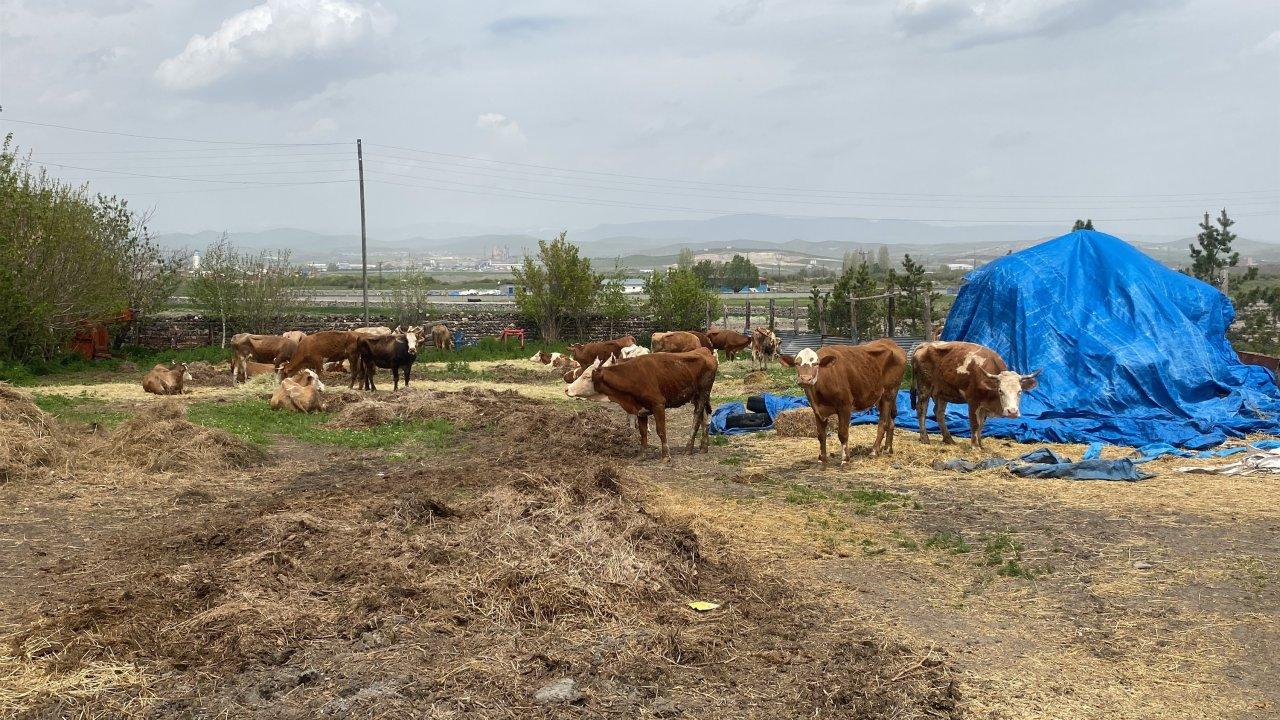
[542,544]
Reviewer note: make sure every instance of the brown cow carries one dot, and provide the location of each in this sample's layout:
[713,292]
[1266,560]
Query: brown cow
[679,341]
[730,341]
[441,337]
[587,353]
[325,346]
[254,369]
[962,372]
[294,335]
[562,363]
[306,394]
[649,385]
[764,346]
[839,379]
[163,380]
[274,349]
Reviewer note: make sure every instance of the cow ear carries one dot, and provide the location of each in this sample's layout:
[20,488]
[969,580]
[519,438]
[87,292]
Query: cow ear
[1029,382]
[826,361]
[787,360]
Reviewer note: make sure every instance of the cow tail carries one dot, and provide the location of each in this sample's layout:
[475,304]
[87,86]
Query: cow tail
[915,381]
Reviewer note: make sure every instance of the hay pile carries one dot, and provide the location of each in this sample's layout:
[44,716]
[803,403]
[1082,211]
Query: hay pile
[798,422]
[31,443]
[361,415]
[159,438]
[203,373]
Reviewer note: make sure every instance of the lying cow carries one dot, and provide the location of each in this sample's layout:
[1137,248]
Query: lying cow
[633,351]
[161,380]
[679,341]
[563,363]
[649,385]
[326,346]
[587,353]
[442,338]
[840,379]
[254,369]
[274,349]
[304,394]
[962,372]
[731,342]
[764,346]
[396,352]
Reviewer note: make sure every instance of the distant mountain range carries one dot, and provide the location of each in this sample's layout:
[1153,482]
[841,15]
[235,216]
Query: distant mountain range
[648,244]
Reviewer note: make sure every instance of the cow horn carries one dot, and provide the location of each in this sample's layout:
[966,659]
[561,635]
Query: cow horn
[1033,375]
[988,374]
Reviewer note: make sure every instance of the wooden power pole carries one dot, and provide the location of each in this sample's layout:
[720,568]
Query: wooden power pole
[364,243]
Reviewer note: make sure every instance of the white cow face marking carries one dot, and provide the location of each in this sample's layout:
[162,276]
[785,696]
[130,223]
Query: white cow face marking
[583,386]
[315,379]
[411,337]
[806,362]
[1009,386]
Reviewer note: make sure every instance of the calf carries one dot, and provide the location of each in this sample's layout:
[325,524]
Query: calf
[764,346]
[442,338]
[563,363]
[649,385]
[587,353]
[962,372]
[679,341]
[730,341]
[305,394]
[840,379]
[254,369]
[274,349]
[325,346]
[396,352]
[163,380]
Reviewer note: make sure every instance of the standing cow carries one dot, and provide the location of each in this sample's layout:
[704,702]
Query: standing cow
[396,352]
[963,372]
[840,379]
[274,349]
[587,353]
[649,385]
[730,341]
[679,341]
[326,346]
[764,346]
[442,338]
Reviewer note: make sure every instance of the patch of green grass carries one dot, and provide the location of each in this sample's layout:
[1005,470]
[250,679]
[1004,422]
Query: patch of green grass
[1017,569]
[718,440]
[80,408]
[453,370]
[863,499]
[731,460]
[948,541]
[905,542]
[997,546]
[255,422]
[798,494]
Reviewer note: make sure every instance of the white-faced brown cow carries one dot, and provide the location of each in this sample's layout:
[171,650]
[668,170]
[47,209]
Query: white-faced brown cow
[649,385]
[839,379]
[304,394]
[319,348]
[587,353]
[730,341]
[161,380]
[563,363]
[764,346]
[274,349]
[962,372]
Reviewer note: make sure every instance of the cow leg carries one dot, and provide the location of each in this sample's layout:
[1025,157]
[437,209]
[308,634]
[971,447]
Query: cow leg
[642,424]
[940,414]
[706,421]
[660,422]
[888,409]
[699,419]
[842,432]
[407,368]
[922,409]
[820,425]
[975,428]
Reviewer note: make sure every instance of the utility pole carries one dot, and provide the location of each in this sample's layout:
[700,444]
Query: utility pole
[364,244]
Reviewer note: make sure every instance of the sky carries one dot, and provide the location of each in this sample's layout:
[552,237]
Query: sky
[533,116]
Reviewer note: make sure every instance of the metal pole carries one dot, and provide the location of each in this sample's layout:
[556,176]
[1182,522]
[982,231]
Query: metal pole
[853,319]
[364,243]
[888,316]
[822,317]
[772,315]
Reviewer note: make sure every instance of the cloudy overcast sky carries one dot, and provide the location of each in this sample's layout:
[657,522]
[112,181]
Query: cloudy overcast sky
[544,114]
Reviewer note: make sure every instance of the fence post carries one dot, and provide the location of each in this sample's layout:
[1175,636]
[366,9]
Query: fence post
[853,319]
[795,316]
[771,315]
[888,315]
[747,328]
[822,317]
[928,317]
[726,315]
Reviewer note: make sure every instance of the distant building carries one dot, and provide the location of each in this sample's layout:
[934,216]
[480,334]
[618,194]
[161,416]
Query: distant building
[632,286]
[195,261]
[959,266]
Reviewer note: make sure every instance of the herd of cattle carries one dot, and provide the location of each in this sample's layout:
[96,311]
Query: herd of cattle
[679,368]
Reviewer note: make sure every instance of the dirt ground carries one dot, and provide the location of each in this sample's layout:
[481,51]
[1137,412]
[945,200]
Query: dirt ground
[314,580]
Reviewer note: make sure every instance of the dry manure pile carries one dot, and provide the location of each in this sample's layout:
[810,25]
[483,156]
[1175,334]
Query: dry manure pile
[454,586]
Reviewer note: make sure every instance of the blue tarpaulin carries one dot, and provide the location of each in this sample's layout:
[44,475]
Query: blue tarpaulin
[1131,352]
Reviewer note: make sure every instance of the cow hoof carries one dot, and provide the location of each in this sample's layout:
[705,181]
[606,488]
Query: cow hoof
[924,440]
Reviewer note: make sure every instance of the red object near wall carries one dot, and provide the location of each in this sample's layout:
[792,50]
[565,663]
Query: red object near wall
[92,340]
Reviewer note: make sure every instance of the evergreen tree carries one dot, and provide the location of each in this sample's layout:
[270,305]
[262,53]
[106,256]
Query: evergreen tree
[911,301]
[882,258]
[1209,261]
[1082,225]
[684,259]
[741,273]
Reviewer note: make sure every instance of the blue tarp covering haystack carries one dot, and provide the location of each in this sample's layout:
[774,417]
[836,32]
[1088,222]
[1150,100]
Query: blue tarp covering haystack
[1132,352]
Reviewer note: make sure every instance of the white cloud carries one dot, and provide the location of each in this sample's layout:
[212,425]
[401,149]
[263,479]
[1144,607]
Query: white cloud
[973,22]
[740,12]
[275,32]
[1270,43]
[501,126]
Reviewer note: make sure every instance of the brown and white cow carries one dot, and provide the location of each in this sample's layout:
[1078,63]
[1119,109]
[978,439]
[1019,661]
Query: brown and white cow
[679,341]
[274,349]
[839,379]
[441,337]
[161,380]
[319,348]
[254,369]
[963,372]
[730,341]
[649,385]
[396,352]
[304,394]
[587,353]
[764,346]
[561,363]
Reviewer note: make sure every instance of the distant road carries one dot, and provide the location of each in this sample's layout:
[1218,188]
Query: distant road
[352,297]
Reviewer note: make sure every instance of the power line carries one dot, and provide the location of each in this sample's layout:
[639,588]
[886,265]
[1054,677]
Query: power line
[161,137]
[190,179]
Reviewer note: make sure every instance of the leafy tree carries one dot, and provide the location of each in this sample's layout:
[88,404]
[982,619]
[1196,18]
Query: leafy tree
[1082,225]
[1209,261]
[678,300]
[247,292]
[150,274]
[684,259]
[709,272]
[555,288]
[740,273]
[882,258]
[411,297]
[611,300]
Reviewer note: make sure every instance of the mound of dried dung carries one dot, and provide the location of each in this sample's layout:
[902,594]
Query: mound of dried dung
[203,373]
[30,442]
[363,414]
[336,401]
[798,422]
[160,438]
[756,378]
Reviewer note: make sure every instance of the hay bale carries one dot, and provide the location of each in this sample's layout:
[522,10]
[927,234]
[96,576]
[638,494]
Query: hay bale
[160,439]
[30,441]
[798,422]
[361,415]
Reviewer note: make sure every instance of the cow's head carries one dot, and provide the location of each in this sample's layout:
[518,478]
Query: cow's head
[806,362]
[542,356]
[583,383]
[310,378]
[411,336]
[181,367]
[1008,385]
[631,351]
